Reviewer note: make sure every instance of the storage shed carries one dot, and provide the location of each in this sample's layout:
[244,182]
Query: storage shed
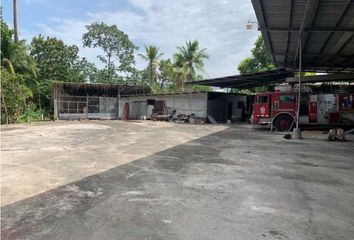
[221,106]
[75,101]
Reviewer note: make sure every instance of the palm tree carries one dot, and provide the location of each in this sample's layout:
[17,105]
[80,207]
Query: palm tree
[191,58]
[16,60]
[18,70]
[180,71]
[152,56]
[166,73]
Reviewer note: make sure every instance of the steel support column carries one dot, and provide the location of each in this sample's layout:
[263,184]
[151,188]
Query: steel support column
[298,130]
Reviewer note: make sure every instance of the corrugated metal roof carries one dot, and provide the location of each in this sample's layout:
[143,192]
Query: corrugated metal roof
[246,81]
[340,77]
[327,28]
[100,89]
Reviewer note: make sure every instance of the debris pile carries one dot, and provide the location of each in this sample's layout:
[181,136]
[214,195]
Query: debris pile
[336,135]
[161,112]
[287,136]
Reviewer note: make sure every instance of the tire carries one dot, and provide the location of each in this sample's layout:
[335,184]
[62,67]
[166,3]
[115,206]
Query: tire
[284,123]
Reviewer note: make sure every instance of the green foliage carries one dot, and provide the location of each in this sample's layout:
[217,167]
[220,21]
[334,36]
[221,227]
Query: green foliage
[305,74]
[166,73]
[190,60]
[14,56]
[152,56]
[57,61]
[137,78]
[197,88]
[28,72]
[247,65]
[155,89]
[86,69]
[14,95]
[115,45]
[18,76]
[167,76]
[32,114]
[259,61]
[6,46]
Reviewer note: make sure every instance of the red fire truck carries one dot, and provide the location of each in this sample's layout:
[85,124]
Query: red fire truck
[279,109]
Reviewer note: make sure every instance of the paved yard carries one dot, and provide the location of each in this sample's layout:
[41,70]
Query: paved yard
[116,180]
[40,157]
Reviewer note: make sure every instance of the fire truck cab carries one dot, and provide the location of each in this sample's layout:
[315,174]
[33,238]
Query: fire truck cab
[279,109]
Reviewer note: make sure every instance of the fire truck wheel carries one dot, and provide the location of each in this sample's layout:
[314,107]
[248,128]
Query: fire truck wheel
[284,123]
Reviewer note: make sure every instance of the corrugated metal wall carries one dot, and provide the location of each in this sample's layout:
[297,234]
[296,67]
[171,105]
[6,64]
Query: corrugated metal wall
[186,103]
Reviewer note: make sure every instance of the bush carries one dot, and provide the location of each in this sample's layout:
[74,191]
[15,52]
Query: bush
[32,114]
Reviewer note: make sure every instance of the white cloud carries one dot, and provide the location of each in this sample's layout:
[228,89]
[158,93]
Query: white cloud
[219,26]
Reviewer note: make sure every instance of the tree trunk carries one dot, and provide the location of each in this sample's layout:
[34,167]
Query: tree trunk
[182,83]
[162,82]
[39,101]
[5,108]
[151,73]
[109,66]
[15,21]
[189,78]
[190,72]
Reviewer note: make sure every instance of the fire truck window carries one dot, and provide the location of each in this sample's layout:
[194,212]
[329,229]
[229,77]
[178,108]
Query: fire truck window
[287,98]
[262,99]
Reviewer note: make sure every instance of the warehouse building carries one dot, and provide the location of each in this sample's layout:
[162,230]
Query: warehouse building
[76,101]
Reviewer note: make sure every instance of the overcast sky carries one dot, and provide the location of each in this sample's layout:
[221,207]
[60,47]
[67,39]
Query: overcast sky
[218,25]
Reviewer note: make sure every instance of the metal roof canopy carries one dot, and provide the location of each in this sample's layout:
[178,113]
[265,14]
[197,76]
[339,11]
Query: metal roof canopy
[247,80]
[347,77]
[326,28]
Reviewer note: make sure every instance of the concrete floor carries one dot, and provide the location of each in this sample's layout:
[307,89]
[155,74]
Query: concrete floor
[40,157]
[235,183]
